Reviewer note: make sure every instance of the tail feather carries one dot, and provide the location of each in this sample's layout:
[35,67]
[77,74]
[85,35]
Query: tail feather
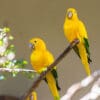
[89,60]
[77,52]
[52,85]
[84,58]
[55,75]
[58,87]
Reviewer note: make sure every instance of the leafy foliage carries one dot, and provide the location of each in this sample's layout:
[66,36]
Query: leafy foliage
[7,55]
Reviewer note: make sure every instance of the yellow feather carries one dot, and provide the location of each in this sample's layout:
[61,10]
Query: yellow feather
[74,28]
[40,59]
[84,59]
[33,96]
[52,86]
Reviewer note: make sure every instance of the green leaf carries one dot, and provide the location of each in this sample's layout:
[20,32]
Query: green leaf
[11,37]
[25,62]
[1,42]
[10,49]
[6,29]
[20,63]
[29,75]
[14,74]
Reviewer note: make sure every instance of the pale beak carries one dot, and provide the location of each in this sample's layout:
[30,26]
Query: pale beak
[31,46]
[69,15]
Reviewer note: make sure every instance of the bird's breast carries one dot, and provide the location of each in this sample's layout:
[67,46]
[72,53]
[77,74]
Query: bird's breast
[70,31]
[37,61]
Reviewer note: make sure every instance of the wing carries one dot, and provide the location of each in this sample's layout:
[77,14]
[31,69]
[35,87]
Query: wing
[82,30]
[87,50]
[86,43]
[55,75]
[76,50]
[50,60]
[84,37]
[51,83]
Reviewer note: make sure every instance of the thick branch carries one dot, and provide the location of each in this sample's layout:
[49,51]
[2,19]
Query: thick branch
[49,68]
[92,95]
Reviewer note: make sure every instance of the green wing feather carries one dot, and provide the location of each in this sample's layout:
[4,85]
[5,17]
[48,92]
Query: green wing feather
[86,43]
[54,72]
[76,50]
[55,75]
[87,46]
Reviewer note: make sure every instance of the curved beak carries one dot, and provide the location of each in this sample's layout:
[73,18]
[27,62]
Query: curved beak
[31,46]
[69,15]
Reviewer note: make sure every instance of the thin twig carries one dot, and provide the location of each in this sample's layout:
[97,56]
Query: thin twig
[49,68]
[15,70]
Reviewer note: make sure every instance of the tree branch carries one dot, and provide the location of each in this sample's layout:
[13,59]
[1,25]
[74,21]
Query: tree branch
[49,68]
[92,95]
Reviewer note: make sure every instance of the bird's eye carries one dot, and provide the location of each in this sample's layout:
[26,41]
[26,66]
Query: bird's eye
[35,41]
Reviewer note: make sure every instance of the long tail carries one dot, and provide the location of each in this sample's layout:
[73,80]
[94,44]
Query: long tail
[55,75]
[83,55]
[52,85]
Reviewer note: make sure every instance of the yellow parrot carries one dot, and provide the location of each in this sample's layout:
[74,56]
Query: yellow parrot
[40,59]
[33,96]
[75,29]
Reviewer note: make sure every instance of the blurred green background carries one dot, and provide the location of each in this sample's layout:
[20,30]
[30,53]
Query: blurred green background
[45,18]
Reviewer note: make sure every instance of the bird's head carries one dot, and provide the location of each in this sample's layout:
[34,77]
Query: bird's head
[71,13]
[37,44]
